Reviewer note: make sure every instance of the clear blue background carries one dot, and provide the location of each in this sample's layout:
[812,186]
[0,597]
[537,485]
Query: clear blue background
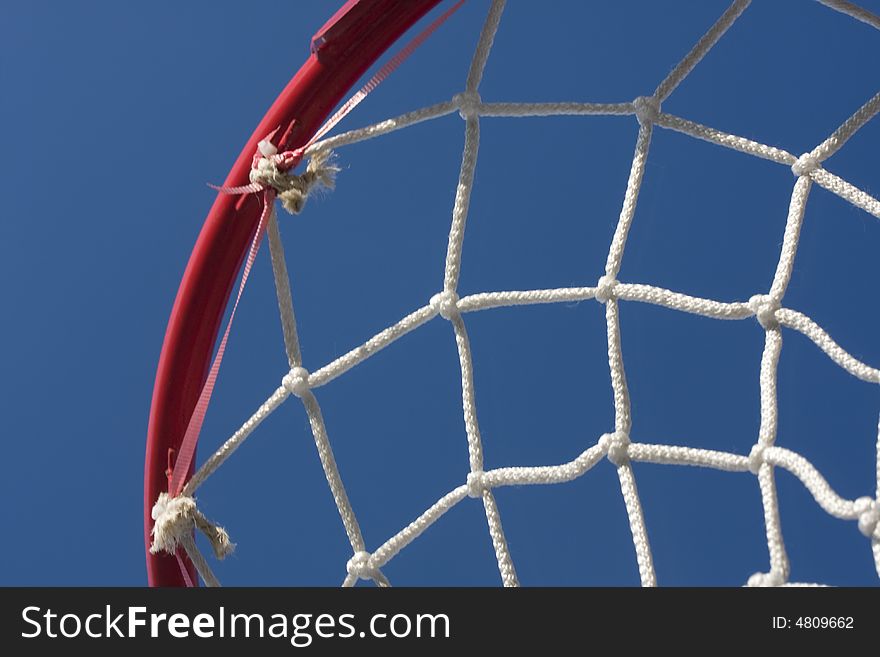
[115,115]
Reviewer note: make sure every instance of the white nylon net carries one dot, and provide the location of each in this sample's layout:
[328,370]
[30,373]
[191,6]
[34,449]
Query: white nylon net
[767,307]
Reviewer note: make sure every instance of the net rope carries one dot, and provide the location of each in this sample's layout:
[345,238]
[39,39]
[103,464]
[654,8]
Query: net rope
[616,445]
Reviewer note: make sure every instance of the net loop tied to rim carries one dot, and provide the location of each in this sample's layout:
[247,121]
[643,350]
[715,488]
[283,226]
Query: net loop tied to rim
[296,381]
[468,103]
[616,446]
[647,109]
[476,485]
[605,288]
[764,306]
[805,165]
[869,517]
[176,517]
[273,170]
[445,304]
[756,458]
[773,578]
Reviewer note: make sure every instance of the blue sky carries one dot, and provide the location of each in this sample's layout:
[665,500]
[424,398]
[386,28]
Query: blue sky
[117,114]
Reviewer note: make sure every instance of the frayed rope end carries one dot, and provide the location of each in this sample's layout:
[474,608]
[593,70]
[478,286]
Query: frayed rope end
[320,173]
[293,190]
[175,518]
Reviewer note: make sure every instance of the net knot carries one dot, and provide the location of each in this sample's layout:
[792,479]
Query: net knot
[176,517]
[605,288]
[756,457]
[468,104]
[475,484]
[272,170]
[764,306]
[647,109]
[869,517]
[773,578]
[445,304]
[805,165]
[359,566]
[296,381]
[616,446]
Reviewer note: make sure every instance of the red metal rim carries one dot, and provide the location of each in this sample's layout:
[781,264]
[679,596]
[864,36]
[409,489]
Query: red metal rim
[351,41]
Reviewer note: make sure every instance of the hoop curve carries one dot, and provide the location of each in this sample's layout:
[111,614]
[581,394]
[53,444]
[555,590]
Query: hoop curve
[341,52]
